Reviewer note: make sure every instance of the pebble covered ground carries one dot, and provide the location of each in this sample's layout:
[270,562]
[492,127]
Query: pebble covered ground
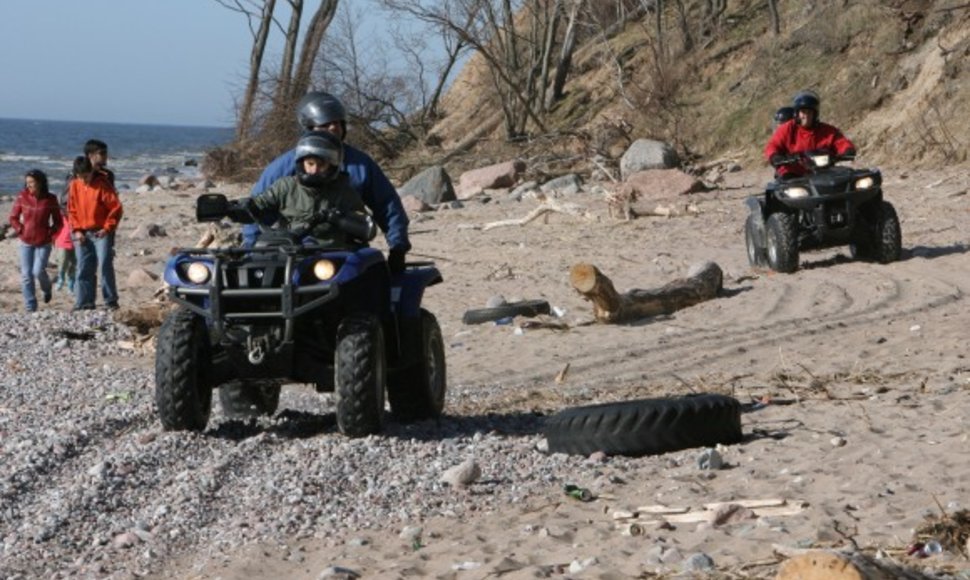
[91,485]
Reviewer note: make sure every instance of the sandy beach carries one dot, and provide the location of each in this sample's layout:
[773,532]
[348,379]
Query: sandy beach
[853,375]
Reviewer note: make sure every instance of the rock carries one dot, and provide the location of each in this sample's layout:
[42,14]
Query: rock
[125,540]
[569,184]
[146,231]
[338,573]
[463,474]
[698,562]
[148,180]
[413,204]
[646,154]
[495,300]
[520,190]
[411,533]
[432,186]
[660,183]
[710,459]
[141,277]
[490,177]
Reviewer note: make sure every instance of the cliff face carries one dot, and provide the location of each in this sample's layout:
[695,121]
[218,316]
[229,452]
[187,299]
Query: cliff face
[892,75]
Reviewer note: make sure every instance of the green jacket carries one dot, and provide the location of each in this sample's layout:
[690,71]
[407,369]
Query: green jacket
[297,204]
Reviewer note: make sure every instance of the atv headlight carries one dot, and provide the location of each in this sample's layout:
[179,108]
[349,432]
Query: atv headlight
[197,273]
[324,270]
[821,160]
[865,183]
[796,192]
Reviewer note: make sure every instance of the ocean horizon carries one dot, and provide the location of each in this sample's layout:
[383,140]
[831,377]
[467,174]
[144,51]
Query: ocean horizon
[134,150]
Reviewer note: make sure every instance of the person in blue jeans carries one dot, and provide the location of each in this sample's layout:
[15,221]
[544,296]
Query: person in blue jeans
[94,212]
[36,217]
[320,111]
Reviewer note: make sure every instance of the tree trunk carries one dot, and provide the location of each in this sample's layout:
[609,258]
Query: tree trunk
[775,20]
[245,121]
[703,282]
[566,55]
[282,94]
[311,46]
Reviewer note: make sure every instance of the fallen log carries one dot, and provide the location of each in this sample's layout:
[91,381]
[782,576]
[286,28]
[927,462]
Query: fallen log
[703,282]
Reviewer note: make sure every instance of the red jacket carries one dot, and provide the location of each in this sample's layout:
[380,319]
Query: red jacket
[93,206]
[790,138]
[35,220]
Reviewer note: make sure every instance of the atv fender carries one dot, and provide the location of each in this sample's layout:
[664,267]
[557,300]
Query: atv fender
[756,205]
[407,289]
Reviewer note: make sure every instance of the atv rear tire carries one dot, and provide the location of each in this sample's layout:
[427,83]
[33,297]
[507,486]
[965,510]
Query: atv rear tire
[242,399]
[183,395]
[646,426]
[781,231]
[757,255]
[418,392]
[360,375]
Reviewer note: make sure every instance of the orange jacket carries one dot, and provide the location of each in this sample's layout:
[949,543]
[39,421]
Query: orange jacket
[93,206]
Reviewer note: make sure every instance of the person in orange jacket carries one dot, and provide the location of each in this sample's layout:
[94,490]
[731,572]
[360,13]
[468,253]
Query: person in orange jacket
[36,218]
[805,133]
[94,212]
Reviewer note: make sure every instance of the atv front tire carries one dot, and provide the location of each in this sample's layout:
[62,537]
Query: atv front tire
[418,392]
[781,231]
[646,426]
[243,399]
[360,375]
[757,255]
[183,395]
[881,239]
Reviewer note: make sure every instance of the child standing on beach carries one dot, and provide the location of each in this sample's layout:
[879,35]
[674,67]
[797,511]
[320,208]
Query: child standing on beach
[94,212]
[64,254]
[36,218]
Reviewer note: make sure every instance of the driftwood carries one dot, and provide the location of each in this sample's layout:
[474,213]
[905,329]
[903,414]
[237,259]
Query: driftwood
[833,565]
[547,206]
[703,282]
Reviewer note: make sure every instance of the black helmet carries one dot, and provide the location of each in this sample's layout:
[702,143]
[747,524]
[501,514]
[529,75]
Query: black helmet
[323,145]
[784,114]
[806,100]
[319,108]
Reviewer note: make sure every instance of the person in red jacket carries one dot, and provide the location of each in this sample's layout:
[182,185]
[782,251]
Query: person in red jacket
[805,133]
[94,212]
[36,217]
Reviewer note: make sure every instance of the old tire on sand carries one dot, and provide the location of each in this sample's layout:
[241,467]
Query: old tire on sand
[646,426]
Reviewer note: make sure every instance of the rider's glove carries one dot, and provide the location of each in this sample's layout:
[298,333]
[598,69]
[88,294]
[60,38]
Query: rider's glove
[395,261]
[776,159]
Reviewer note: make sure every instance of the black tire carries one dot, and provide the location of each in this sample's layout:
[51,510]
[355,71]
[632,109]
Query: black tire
[523,308]
[418,392]
[646,426]
[757,255]
[183,395]
[360,375]
[781,231]
[880,237]
[242,399]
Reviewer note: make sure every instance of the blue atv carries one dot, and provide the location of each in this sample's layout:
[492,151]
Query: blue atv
[830,206]
[288,310]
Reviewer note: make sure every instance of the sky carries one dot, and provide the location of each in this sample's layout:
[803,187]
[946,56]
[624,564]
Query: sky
[166,62]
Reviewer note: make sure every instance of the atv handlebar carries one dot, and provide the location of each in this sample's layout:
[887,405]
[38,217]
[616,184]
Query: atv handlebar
[212,207]
[811,159]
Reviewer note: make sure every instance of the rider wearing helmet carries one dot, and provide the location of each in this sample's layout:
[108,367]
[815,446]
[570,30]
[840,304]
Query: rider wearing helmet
[806,133]
[320,111]
[317,185]
[784,114]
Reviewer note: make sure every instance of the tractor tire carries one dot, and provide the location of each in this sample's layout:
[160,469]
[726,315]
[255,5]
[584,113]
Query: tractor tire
[183,395]
[244,399]
[781,231]
[523,308]
[757,255]
[418,392]
[360,375]
[646,426]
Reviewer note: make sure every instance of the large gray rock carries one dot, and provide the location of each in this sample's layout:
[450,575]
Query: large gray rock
[568,184]
[646,154]
[496,176]
[432,186]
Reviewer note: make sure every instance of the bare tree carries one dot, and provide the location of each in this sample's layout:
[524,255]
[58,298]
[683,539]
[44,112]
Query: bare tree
[775,19]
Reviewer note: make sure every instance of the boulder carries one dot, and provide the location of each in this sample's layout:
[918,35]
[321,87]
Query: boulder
[414,204]
[568,184]
[659,183]
[145,231]
[432,186]
[490,177]
[646,154]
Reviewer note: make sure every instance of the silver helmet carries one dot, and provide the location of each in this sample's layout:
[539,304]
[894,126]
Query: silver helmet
[323,145]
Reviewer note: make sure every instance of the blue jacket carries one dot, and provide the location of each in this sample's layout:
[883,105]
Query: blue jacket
[365,176]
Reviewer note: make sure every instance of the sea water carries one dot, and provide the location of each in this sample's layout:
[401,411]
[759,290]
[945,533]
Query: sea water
[134,151]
